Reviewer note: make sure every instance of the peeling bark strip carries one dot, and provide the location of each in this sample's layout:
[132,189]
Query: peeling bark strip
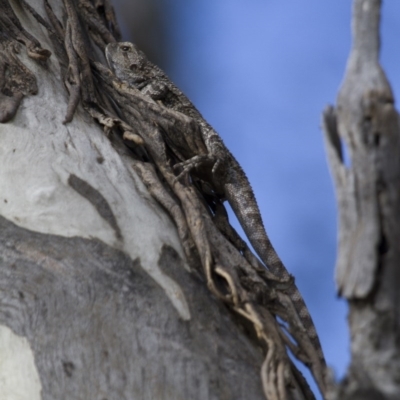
[159,138]
[368,193]
[16,81]
[98,201]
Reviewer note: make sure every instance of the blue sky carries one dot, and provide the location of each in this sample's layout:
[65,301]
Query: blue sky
[261,72]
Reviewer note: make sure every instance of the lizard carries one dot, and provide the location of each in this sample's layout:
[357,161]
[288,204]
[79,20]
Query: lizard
[222,170]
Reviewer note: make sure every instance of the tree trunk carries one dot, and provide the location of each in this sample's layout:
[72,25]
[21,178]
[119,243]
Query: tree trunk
[118,279]
[366,123]
[97,298]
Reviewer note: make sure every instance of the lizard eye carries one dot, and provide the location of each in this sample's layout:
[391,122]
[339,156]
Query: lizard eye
[125,48]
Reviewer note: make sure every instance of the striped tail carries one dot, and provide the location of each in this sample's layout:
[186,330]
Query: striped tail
[240,196]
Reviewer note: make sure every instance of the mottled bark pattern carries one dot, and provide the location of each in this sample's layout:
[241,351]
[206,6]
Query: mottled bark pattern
[112,299]
[100,327]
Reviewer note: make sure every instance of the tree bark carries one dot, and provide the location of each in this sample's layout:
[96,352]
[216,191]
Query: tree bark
[366,123]
[119,280]
[97,298]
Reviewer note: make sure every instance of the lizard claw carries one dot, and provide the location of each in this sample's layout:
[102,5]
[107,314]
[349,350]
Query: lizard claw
[187,166]
[218,164]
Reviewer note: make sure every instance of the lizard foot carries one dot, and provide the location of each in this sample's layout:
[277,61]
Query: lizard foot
[195,162]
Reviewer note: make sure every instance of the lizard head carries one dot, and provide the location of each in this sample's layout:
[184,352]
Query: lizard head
[124,55]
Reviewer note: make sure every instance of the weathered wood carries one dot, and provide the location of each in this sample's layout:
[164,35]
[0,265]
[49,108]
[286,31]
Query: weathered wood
[366,125]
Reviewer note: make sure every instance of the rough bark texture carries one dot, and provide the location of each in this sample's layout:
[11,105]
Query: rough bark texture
[92,272]
[100,327]
[105,256]
[368,191]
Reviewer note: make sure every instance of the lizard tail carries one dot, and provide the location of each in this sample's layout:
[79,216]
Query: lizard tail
[240,196]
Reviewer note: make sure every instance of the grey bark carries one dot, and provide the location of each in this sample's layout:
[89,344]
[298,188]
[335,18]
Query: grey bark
[97,300]
[368,192]
[100,327]
[103,291]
